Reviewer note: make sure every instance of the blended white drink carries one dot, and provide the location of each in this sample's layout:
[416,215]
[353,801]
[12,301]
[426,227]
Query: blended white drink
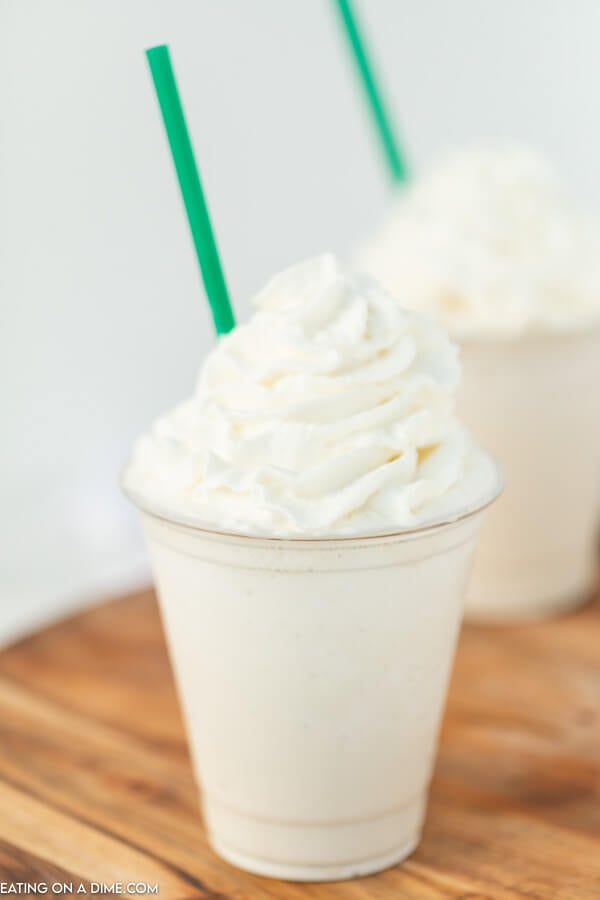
[311,514]
[486,244]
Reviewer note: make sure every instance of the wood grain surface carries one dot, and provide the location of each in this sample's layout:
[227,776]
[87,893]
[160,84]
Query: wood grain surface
[96,786]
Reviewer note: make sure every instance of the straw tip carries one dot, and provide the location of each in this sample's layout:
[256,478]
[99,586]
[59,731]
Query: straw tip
[158,50]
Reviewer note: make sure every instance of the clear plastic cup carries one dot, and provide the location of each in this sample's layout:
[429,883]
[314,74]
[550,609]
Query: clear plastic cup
[535,403]
[312,675]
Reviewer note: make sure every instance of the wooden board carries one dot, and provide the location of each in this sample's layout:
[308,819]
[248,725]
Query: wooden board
[96,786]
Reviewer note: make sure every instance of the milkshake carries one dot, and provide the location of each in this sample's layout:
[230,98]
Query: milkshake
[311,513]
[487,245]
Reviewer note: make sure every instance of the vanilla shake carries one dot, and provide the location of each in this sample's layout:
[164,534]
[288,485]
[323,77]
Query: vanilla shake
[487,244]
[311,513]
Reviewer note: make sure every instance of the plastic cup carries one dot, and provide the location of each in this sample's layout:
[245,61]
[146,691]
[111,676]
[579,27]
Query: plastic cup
[535,402]
[312,676]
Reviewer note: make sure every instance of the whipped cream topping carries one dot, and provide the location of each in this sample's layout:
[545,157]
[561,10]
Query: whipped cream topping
[486,243]
[329,412]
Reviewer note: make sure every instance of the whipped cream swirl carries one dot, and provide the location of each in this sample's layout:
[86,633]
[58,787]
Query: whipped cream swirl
[486,243]
[329,412]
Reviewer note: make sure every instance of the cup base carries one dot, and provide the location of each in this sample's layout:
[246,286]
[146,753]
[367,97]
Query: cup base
[539,590]
[329,851]
[335,872]
[529,612]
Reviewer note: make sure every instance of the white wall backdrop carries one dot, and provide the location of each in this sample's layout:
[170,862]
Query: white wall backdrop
[103,322]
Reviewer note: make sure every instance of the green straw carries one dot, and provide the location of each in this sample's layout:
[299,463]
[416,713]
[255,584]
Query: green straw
[191,187]
[381,118]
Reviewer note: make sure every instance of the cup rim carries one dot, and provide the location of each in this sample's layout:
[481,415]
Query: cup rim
[526,337]
[192,523]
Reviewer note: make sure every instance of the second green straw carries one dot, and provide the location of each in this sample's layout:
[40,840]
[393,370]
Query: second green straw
[381,119]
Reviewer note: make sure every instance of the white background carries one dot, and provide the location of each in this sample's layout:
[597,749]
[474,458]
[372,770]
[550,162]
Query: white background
[103,320]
